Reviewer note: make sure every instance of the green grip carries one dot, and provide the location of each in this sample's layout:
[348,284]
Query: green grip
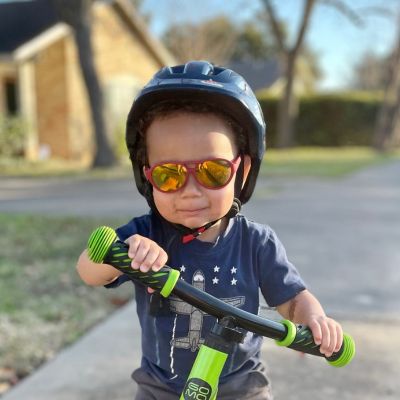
[300,338]
[102,247]
[347,353]
[100,242]
[291,331]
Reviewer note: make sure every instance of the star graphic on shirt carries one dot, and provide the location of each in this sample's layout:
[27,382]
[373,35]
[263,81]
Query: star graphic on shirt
[233,270]
[183,268]
[233,281]
[216,269]
[215,280]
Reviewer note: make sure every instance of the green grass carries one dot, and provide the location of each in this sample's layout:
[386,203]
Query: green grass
[321,162]
[44,305]
[60,168]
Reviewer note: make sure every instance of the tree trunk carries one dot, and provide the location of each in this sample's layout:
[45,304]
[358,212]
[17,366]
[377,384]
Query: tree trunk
[387,127]
[77,13]
[104,155]
[288,107]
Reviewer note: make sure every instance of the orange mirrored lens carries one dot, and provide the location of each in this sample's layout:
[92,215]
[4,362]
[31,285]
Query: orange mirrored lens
[169,177]
[214,173]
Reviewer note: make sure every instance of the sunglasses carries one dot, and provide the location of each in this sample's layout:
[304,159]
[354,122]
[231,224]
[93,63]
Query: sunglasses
[172,176]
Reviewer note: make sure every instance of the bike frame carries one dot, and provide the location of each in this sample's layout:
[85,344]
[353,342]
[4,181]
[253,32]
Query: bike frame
[202,383]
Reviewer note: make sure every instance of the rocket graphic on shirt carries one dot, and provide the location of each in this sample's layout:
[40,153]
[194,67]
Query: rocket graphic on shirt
[193,340]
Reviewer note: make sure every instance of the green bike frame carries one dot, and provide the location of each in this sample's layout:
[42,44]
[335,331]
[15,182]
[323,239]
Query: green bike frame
[202,383]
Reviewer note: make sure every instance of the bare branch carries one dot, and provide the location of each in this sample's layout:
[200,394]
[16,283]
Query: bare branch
[345,10]
[377,11]
[275,26]
[203,41]
[304,23]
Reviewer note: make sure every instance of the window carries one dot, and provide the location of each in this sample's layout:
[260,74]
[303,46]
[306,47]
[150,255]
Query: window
[11,100]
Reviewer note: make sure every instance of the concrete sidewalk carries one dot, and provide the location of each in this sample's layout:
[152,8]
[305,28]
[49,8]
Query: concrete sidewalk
[95,367]
[342,234]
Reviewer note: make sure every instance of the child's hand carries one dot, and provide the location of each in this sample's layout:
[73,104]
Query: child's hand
[305,309]
[327,332]
[146,254]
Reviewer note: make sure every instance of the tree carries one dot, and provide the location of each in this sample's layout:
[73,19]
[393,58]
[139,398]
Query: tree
[387,128]
[371,72]
[252,43]
[138,6]
[213,40]
[77,14]
[288,56]
[219,40]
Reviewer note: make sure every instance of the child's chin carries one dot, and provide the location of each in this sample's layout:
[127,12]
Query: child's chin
[193,225]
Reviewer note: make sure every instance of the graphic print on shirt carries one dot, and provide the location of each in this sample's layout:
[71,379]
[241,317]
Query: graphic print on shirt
[194,339]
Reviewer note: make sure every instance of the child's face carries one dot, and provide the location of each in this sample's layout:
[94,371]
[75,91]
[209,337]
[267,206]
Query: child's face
[188,137]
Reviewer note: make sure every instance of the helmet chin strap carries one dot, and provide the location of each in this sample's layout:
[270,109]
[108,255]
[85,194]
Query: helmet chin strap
[192,233]
[195,232]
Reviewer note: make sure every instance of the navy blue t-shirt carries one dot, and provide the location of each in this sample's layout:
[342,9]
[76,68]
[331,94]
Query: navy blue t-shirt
[247,257]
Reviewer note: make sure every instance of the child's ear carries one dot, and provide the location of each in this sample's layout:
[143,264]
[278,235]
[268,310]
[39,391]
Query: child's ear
[247,166]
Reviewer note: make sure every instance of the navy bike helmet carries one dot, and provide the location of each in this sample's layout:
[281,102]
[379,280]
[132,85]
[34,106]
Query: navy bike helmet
[220,88]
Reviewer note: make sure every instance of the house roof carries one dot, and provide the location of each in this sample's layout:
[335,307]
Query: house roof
[258,74]
[23,20]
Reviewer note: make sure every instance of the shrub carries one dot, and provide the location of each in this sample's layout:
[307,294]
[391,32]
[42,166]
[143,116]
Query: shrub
[345,119]
[12,136]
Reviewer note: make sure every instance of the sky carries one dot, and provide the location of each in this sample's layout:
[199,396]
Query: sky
[337,41]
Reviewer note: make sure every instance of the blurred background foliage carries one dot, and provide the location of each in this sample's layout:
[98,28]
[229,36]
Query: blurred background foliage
[328,120]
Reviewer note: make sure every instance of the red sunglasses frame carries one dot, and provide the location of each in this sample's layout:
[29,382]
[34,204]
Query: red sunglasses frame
[234,165]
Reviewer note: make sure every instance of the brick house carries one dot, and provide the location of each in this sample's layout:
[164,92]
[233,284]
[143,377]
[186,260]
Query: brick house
[40,77]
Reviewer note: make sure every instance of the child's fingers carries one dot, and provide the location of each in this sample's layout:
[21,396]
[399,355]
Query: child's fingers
[328,334]
[133,242]
[148,261]
[321,333]
[160,261]
[339,335]
[333,338]
[326,337]
[152,259]
[335,335]
[141,253]
[316,331]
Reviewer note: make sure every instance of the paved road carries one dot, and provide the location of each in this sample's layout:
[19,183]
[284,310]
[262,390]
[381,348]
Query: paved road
[342,234]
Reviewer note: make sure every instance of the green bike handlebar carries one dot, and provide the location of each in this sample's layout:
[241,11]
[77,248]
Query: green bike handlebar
[103,248]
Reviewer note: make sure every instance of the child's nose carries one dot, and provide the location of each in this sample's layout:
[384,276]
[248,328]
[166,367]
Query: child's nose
[192,187]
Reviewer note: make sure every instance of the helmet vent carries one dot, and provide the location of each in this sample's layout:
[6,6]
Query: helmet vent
[198,67]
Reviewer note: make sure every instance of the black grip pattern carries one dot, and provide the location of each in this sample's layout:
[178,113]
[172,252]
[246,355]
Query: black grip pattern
[304,341]
[117,256]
